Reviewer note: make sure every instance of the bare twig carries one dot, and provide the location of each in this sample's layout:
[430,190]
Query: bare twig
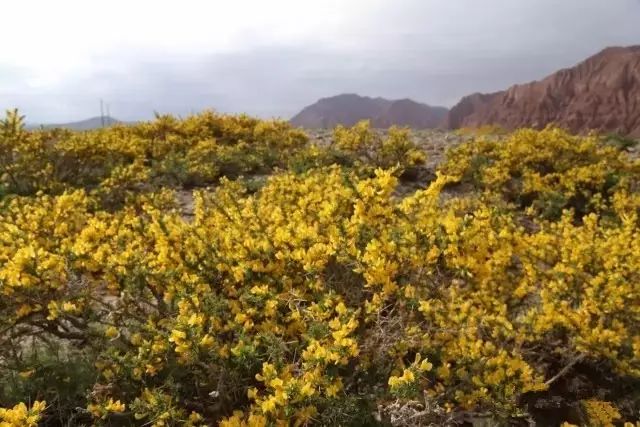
[564,370]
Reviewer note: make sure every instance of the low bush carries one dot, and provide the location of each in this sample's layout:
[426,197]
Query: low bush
[315,295]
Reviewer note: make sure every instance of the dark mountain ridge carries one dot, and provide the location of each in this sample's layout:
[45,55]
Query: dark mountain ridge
[348,109]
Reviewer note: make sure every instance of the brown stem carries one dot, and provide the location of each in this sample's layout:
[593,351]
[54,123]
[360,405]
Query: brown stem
[564,370]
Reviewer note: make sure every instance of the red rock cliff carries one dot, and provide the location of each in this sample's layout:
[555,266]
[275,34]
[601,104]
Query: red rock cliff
[601,93]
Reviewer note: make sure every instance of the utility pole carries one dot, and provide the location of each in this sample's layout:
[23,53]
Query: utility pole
[102,113]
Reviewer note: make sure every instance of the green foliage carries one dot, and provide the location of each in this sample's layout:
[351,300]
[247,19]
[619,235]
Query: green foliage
[302,290]
[620,142]
[63,377]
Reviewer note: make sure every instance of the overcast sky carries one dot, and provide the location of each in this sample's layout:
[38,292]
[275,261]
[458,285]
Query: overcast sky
[273,57]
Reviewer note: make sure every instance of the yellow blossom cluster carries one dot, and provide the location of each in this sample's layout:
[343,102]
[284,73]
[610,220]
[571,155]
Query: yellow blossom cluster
[21,416]
[405,384]
[546,171]
[119,161]
[373,149]
[322,295]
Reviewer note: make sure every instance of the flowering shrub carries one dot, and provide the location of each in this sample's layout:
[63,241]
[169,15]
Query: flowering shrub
[321,297]
[123,159]
[396,148]
[547,171]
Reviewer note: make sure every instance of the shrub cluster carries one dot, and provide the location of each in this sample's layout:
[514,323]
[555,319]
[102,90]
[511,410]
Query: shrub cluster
[322,297]
[547,172]
[120,160]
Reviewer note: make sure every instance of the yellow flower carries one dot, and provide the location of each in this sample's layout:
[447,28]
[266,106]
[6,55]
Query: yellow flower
[26,374]
[69,307]
[207,341]
[111,332]
[114,406]
[407,376]
[177,336]
[425,366]
[332,389]
[252,393]
[269,405]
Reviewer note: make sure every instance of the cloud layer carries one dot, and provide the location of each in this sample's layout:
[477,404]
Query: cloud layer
[272,58]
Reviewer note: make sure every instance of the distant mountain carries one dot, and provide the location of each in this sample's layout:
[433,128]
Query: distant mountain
[348,109]
[601,93]
[406,112]
[88,124]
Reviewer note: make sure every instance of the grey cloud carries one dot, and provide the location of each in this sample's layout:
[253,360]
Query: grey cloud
[431,51]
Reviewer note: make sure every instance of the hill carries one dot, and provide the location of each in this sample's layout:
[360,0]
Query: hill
[406,112]
[601,93]
[87,124]
[348,109]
